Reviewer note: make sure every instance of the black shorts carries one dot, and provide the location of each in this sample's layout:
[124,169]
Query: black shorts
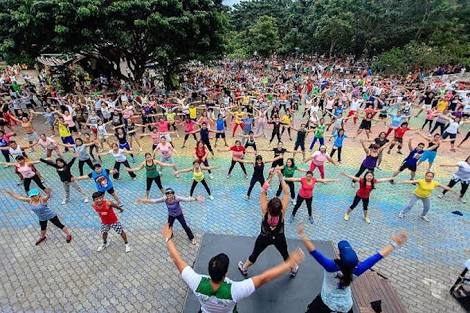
[365,125]
[399,140]
[300,145]
[73,129]
[451,136]
[220,135]
[250,145]
[111,190]
[405,166]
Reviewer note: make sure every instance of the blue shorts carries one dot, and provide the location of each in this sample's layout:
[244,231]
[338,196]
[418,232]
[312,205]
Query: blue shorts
[428,156]
[124,146]
[68,140]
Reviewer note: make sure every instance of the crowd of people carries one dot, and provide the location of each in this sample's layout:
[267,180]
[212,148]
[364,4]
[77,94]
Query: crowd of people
[244,109]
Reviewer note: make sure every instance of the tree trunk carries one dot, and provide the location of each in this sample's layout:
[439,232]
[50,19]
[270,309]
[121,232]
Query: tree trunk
[171,78]
[332,48]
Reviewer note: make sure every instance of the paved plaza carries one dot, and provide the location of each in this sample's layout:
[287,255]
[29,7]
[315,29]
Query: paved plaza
[60,277]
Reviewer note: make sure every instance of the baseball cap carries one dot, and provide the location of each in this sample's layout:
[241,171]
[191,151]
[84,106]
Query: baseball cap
[33,192]
[169,190]
[347,255]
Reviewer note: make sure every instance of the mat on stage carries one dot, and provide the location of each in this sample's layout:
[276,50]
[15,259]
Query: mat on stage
[283,295]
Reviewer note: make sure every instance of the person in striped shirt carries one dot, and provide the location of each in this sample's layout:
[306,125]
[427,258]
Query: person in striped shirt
[215,292]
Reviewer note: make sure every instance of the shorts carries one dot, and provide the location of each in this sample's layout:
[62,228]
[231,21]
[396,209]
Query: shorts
[398,139]
[365,125]
[167,159]
[404,166]
[117,227]
[426,107]
[73,129]
[220,135]
[31,136]
[110,191]
[124,146]
[429,156]
[300,145]
[451,136]
[250,145]
[68,140]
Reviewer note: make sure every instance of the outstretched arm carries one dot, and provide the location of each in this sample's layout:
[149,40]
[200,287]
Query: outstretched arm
[16,196]
[328,264]
[172,250]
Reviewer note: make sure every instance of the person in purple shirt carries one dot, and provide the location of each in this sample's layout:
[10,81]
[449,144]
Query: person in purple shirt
[175,211]
[336,295]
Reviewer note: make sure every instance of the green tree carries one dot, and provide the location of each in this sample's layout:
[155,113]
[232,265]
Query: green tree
[263,37]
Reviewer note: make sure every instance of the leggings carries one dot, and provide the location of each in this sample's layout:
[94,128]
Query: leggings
[204,183]
[339,149]
[93,147]
[187,136]
[157,180]
[67,185]
[6,155]
[453,182]
[277,134]
[233,164]
[55,220]
[36,179]
[264,241]
[321,140]
[442,127]
[291,189]
[206,164]
[117,166]
[298,203]
[254,180]
[357,199]
[81,163]
[180,218]
[413,200]
[288,130]
[427,122]
[208,145]
[466,138]
[235,129]
[318,306]
[321,168]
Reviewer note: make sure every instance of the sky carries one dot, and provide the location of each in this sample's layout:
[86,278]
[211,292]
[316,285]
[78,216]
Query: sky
[230,2]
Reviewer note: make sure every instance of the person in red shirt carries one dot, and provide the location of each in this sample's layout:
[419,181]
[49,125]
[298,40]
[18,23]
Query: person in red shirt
[238,152]
[105,210]
[399,133]
[366,185]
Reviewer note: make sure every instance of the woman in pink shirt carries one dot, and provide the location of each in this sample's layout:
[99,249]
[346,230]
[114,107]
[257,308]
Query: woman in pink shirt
[155,136]
[307,183]
[166,152]
[49,145]
[318,159]
[188,126]
[238,152]
[27,172]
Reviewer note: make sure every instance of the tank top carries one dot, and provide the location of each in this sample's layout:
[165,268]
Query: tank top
[200,153]
[43,212]
[258,170]
[432,144]
[174,208]
[370,162]
[266,229]
[151,170]
[198,176]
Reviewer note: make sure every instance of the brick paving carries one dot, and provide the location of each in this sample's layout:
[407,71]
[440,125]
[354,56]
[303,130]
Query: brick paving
[60,277]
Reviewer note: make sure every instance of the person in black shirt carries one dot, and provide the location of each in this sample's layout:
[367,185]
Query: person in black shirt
[276,122]
[302,133]
[381,141]
[66,177]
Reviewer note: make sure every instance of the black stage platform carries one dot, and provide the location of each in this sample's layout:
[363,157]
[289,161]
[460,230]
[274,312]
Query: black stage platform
[283,295]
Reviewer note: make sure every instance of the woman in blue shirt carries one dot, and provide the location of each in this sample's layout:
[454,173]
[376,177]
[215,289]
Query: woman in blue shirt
[336,295]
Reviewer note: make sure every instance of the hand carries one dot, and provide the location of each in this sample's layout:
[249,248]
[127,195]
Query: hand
[167,232]
[400,238]
[300,230]
[296,257]
[199,198]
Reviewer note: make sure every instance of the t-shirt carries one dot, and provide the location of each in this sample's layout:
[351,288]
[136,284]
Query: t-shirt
[453,128]
[102,181]
[221,301]
[463,173]
[289,171]
[319,158]
[306,189]
[400,132]
[364,189]
[119,155]
[165,150]
[237,152]
[424,189]
[105,212]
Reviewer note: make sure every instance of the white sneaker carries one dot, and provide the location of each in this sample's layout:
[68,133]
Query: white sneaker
[425,218]
[128,249]
[85,200]
[228,176]
[211,197]
[103,246]
[401,215]
[211,176]
[293,201]
[440,196]
[64,202]
[462,200]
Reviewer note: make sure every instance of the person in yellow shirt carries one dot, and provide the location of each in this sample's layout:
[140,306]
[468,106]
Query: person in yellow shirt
[64,133]
[192,112]
[423,192]
[442,104]
[237,116]
[286,122]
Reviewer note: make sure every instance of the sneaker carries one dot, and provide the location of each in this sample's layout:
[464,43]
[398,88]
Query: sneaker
[40,240]
[346,216]
[425,218]
[211,176]
[293,271]
[242,270]
[293,201]
[401,215]
[246,176]
[120,204]
[134,178]
[440,196]
[353,184]
[310,219]
[193,242]
[211,197]
[102,247]
[85,200]
[399,152]
[140,149]
[64,202]
[246,197]
[128,249]
[291,219]
[228,176]
[68,239]
[367,219]
[461,199]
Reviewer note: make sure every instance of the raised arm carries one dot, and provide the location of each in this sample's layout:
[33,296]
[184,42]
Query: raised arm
[171,247]
[351,176]
[263,196]
[328,264]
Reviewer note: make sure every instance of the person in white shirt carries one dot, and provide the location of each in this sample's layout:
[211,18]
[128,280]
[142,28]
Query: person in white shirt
[216,293]
[462,175]
[119,158]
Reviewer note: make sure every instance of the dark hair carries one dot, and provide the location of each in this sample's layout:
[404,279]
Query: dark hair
[292,161]
[275,206]
[364,183]
[96,165]
[259,157]
[218,267]
[308,173]
[60,160]
[345,277]
[97,195]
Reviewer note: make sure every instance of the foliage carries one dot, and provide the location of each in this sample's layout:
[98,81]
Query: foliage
[166,33]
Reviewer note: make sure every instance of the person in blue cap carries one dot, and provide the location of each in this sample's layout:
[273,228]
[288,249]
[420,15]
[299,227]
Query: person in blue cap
[336,295]
[44,213]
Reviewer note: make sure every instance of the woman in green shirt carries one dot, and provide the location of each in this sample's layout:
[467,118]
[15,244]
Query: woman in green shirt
[288,171]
